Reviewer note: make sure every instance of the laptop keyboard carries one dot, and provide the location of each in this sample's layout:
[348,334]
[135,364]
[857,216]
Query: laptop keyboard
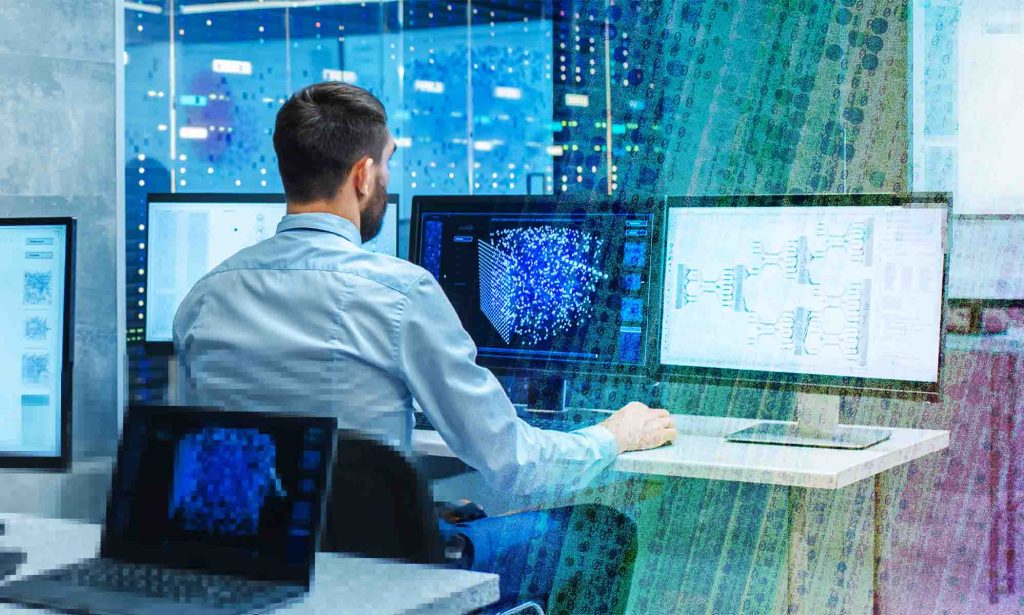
[178,585]
[570,420]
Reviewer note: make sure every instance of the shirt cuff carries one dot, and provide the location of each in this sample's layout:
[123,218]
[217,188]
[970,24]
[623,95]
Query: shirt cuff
[606,443]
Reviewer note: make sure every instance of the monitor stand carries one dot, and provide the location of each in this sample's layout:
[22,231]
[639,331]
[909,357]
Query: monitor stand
[977,325]
[817,425]
[538,394]
[974,319]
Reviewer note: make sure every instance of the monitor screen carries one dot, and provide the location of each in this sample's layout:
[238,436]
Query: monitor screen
[985,256]
[189,235]
[537,287]
[35,359]
[853,292]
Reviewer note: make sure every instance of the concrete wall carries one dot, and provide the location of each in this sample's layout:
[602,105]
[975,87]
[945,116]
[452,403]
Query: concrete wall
[59,67]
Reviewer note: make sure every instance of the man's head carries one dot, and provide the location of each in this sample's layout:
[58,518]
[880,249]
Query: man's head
[333,147]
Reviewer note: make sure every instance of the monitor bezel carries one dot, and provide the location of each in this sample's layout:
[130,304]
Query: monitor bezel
[166,347]
[811,383]
[652,206]
[115,548]
[62,461]
[983,303]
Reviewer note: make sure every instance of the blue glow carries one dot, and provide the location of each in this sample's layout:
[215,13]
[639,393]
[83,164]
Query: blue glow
[192,101]
[222,478]
[634,254]
[539,281]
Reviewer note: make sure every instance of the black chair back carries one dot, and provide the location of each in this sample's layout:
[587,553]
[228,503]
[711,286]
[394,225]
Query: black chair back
[378,505]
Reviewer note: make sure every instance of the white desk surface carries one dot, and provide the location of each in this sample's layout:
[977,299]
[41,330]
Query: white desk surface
[702,452]
[342,584]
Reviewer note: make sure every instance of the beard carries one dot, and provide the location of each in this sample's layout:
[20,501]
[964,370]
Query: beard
[372,217]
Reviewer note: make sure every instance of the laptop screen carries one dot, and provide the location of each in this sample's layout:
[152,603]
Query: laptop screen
[224,492]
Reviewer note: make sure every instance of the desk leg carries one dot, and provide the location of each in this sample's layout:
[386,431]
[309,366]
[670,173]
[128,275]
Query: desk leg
[993,485]
[796,556]
[829,552]
[878,540]
[1011,478]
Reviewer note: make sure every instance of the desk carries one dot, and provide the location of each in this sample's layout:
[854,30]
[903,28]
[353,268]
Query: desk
[701,452]
[342,584]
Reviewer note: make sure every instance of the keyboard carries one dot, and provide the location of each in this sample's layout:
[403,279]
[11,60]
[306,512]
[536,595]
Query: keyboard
[570,420]
[179,585]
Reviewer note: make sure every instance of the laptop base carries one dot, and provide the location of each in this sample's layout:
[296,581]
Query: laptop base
[52,590]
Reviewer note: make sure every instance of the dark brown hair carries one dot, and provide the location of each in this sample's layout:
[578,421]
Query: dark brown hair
[321,132]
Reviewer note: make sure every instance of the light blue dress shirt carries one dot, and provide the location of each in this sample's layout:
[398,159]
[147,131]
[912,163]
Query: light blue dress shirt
[309,322]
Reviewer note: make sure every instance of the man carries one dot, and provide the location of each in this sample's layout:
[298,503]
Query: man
[308,322]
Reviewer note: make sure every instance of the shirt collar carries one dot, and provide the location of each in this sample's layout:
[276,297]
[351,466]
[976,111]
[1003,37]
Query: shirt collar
[327,223]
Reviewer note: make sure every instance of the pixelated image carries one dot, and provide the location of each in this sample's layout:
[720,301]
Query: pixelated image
[35,369]
[538,281]
[38,288]
[36,329]
[222,478]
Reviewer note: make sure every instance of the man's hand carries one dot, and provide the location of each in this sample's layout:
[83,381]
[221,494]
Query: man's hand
[637,427]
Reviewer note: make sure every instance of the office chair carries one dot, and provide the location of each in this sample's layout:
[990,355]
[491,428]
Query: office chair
[379,506]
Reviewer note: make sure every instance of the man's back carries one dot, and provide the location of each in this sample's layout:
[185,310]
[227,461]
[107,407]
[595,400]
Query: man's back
[307,322]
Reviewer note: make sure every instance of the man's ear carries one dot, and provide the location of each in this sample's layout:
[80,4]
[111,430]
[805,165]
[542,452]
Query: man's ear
[361,175]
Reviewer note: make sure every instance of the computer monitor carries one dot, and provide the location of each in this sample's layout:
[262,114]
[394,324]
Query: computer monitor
[37,331]
[386,241]
[825,294]
[542,284]
[190,234]
[985,256]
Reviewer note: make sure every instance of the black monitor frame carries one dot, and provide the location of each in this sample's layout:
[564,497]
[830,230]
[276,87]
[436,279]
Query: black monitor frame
[117,547]
[166,348]
[556,205]
[62,461]
[809,383]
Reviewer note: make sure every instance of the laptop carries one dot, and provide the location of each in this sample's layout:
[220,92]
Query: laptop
[210,512]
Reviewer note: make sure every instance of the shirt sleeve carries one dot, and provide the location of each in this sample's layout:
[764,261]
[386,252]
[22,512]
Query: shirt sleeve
[182,337]
[472,413]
